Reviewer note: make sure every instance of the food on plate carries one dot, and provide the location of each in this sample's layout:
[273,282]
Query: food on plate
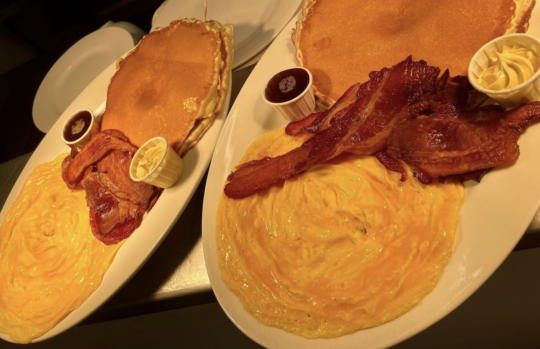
[51,262]
[77,125]
[509,68]
[341,42]
[286,85]
[156,163]
[117,203]
[359,122]
[419,117]
[290,92]
[454,141]
[343,246]
[150,159]
[79,128]
[172,85]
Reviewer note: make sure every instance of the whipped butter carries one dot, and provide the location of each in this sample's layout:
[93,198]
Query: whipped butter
[509,68]
[150,160]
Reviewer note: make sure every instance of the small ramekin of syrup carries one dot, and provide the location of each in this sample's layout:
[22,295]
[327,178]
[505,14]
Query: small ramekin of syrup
[290,91]
[79,128]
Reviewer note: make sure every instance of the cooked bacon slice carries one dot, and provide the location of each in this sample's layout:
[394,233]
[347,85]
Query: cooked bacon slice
[114,172]
[296,127]
[111,219]
[318,122]
[392,164]
[470,141]
[117,203]
[381,102]
[101,144]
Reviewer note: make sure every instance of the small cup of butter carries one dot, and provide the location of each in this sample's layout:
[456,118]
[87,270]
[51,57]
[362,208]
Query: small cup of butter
[79,128]
[156,163]
[290,92]
[507,70]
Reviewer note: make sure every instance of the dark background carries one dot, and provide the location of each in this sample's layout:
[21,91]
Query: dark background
[33,35]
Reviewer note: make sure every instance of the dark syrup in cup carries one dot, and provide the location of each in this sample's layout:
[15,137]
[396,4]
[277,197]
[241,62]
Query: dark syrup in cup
[286,85]
[77,126]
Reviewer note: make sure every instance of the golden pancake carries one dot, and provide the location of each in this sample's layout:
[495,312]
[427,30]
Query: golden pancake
[341,42]
[171,82]
[227,56]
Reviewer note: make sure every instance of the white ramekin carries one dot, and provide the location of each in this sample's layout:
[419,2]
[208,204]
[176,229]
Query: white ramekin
[168,169]
[508,98]
[297,108]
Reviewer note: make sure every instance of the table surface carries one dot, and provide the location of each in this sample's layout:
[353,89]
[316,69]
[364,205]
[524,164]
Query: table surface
[175,276]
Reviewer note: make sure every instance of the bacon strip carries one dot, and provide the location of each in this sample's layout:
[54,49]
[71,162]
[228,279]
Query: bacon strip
[470,141]
[117,203]
[101,144]
[381,102]
[318,122]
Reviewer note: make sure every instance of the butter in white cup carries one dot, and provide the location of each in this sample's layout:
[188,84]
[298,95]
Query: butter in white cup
[528,91]
[86,121]
[166,169]
[292,104]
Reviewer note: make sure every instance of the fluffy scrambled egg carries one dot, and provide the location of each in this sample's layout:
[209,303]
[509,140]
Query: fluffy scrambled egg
[50,262]
[342,247]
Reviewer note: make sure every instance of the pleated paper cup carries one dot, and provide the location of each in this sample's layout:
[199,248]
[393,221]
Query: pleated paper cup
[527,92]
[299,107]
[168,169]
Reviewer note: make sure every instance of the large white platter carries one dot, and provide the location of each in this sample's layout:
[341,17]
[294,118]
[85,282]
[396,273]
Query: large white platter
[256,23]
[156,224]
[495,215]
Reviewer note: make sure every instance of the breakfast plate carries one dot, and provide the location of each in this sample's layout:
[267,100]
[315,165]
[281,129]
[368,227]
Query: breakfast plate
[493,218]
[256,23]
[155,225]
[77,67]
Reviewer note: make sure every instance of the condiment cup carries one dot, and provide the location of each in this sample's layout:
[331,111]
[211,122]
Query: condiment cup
[82,140]
[168,169]
[508,98]
[299,107]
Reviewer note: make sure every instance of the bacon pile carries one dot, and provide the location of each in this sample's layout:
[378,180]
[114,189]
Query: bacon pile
[403,113]
[117,204]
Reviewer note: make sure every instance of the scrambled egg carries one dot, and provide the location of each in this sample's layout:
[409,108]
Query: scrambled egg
[342,247]
[50,262]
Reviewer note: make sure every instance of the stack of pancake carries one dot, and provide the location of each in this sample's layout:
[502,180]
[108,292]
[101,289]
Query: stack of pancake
[172,85]
[341,42]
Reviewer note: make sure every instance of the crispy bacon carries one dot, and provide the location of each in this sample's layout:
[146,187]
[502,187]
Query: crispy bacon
[380,103]
[318,122]
[392,164]
[117,203]
[101,144]
[470,141]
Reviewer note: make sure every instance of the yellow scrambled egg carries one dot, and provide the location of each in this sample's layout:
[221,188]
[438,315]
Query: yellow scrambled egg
[342,247]
[50,262]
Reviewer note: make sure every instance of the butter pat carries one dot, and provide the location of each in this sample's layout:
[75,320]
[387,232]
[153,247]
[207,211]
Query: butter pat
[150,160]
[509,68]
[156,163]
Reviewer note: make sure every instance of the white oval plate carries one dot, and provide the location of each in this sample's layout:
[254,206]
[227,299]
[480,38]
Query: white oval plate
[156,224]
[255,23]
[494,216]
[72,72]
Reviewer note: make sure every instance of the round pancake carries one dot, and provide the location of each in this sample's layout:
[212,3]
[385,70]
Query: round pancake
[341,42]
[166,84]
